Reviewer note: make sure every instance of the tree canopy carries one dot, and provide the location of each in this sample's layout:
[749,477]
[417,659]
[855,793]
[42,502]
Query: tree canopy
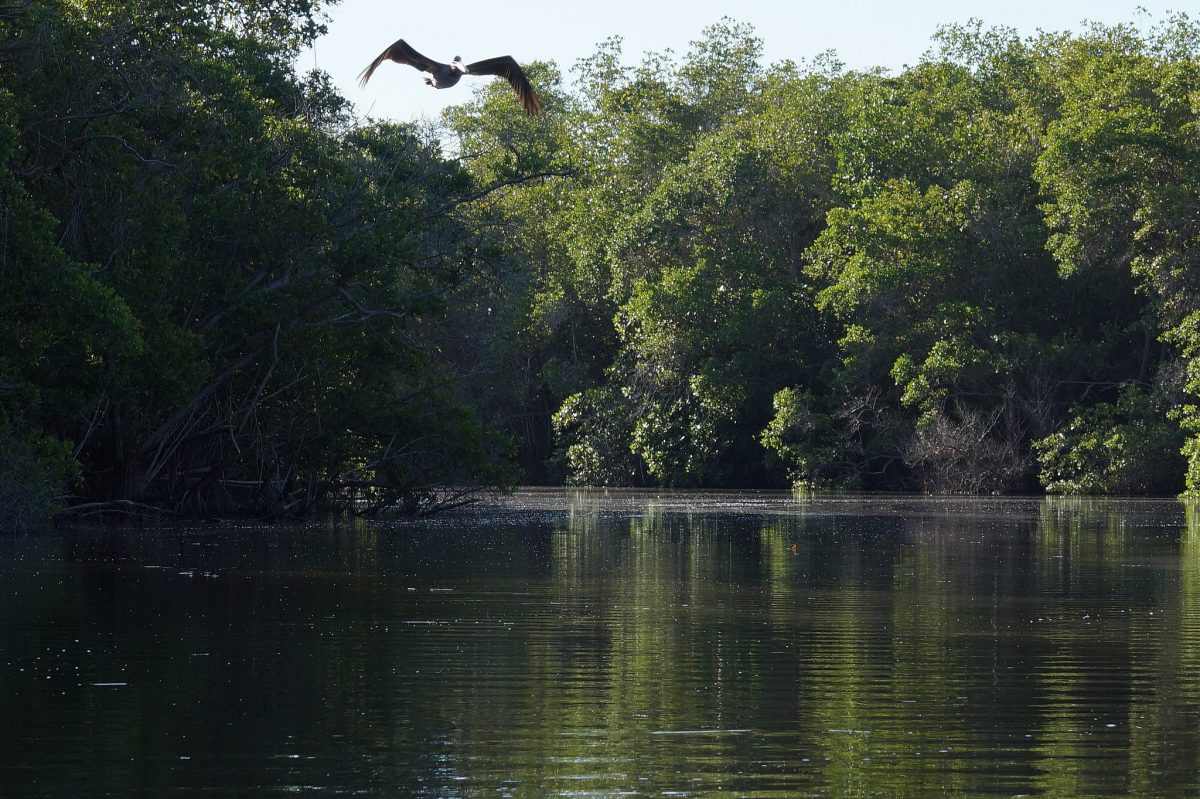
[957,278]
[225,293]
[229,295]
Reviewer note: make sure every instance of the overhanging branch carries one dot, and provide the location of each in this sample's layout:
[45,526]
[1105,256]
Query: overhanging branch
[492,187]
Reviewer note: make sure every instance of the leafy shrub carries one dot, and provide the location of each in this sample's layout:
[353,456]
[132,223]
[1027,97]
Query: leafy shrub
[32,475]
[1127,447]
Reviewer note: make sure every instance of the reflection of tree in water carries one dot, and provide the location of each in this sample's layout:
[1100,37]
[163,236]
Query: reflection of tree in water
[1165,712]
[1103,604]
[905,648]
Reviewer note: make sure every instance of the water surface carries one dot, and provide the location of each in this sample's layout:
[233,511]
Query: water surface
[580,644]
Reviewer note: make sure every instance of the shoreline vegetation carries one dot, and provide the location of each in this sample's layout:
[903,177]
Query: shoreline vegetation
[225,294]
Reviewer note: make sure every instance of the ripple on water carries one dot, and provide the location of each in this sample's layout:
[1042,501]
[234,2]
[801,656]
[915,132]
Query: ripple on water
[605,643]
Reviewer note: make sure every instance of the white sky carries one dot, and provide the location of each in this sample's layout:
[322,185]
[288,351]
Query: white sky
[864,33]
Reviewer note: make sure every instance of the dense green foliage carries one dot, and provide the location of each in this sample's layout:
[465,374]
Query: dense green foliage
[225,294]
[975,276]
[222,296]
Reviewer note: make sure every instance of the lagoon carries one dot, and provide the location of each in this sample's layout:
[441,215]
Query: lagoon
[614,643]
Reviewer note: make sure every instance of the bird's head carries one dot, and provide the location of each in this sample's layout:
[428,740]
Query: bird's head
[458,64]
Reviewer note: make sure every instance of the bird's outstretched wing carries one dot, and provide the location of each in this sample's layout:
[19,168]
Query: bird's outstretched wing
[401,53]
[507,67]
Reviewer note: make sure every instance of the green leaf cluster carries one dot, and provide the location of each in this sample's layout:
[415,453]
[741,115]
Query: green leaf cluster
[1127,447]
[228,296]
[762,274]
[224,293]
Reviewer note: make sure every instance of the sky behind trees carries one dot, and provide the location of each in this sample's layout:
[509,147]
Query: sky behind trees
[864,33]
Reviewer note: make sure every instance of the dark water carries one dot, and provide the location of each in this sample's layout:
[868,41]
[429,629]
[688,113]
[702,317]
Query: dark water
[581,645]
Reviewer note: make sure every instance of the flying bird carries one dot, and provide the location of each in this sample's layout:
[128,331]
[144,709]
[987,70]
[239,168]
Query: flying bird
[443,76]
